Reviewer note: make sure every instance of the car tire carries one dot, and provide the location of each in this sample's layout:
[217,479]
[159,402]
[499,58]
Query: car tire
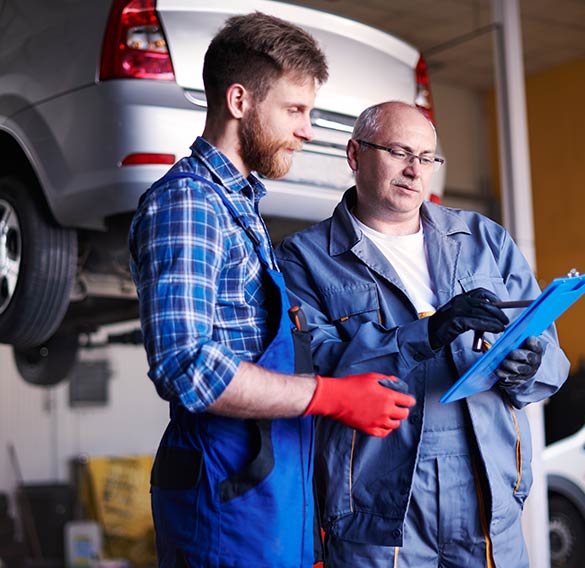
[49,363]
[567,534]
[37,266]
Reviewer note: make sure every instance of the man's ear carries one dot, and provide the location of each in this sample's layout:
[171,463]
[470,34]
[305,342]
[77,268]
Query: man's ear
[237,99]
[351,151]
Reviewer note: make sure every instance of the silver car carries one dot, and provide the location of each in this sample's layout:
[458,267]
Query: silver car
[97,100]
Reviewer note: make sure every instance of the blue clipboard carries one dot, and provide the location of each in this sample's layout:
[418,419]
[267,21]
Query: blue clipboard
[557,297]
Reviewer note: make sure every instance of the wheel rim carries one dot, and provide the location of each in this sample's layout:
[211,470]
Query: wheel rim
[10,253]
[561,541]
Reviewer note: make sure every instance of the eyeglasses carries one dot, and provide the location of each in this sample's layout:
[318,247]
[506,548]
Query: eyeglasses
[402,155]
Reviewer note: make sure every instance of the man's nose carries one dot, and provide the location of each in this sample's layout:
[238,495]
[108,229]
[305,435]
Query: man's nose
[413,166]
[305,130]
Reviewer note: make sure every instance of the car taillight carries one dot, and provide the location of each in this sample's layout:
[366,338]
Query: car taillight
[134,44]
[424,102]
[423,99]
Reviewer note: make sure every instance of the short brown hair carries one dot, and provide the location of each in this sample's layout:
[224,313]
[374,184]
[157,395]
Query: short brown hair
[255,50]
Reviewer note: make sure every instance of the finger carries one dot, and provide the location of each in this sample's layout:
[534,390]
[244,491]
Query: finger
[517,368]
[401,399]
[399,413]
[483,294]
[533,344]
[525,356]
[521,356]
[501,374]
[393,424]
[507,365]
[379,432]
[490,311]
[485,324]
[511,380]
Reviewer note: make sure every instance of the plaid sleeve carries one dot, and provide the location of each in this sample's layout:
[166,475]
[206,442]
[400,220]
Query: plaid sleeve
[178,251]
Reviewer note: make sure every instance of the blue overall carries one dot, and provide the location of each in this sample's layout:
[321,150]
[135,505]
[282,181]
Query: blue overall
[237,493]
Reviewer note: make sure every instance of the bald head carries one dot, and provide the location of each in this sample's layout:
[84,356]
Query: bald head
[375,119]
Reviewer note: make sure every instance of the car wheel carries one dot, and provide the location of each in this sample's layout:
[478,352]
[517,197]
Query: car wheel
[49,363]
[37,267]
[567,534]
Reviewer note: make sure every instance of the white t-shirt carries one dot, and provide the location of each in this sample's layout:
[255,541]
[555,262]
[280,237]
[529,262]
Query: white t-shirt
[407,255]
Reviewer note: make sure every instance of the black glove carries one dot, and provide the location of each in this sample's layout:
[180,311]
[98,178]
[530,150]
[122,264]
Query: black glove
[521,364]
[470,310]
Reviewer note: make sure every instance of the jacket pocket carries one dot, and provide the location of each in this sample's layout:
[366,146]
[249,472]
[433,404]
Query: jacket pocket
[494,283]
[334,470]
[176,468]
[349,307]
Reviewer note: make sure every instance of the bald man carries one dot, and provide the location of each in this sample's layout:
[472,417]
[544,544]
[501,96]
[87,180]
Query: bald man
[395,284]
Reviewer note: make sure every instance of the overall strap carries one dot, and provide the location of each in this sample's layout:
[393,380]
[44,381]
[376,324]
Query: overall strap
[238,218]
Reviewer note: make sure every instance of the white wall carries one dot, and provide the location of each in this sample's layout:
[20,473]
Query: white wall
[47,433]
[462,129]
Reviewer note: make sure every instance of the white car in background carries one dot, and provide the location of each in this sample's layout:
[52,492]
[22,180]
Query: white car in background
[97,99]
[564,464]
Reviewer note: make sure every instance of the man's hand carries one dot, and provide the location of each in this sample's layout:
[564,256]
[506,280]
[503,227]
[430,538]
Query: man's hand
[521,364]
[470,310]
[362,401]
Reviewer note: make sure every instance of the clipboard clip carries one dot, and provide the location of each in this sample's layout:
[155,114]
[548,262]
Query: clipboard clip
[573,273]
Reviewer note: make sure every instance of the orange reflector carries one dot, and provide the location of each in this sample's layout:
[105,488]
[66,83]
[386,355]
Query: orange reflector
[145,158]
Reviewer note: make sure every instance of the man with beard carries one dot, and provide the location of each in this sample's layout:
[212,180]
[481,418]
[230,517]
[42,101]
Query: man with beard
[231,482]
[398,285]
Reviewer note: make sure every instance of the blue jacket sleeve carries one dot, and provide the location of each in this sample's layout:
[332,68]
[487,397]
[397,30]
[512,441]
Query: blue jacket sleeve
[554,369]
[372,348]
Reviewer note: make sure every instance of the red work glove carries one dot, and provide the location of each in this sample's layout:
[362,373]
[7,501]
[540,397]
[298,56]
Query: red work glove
[361,401]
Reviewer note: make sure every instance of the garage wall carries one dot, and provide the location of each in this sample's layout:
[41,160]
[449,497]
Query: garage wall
[47,433]
[462,129]
[556,124]
[557,153]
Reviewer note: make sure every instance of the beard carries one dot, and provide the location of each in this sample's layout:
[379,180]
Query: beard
[261,152]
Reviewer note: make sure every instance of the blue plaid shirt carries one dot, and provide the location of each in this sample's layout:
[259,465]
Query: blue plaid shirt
[203,306]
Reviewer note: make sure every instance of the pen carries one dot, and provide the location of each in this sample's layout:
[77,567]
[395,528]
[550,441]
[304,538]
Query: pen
[478,336]
[514,304]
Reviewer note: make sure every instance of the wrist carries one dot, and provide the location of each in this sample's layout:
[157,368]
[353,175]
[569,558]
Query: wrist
[313,406]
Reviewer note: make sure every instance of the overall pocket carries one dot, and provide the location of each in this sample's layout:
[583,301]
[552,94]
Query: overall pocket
[176,494]
[176,468]
[265,516]
[262,463]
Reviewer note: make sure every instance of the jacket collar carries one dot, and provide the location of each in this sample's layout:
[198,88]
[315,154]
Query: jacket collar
[343,235]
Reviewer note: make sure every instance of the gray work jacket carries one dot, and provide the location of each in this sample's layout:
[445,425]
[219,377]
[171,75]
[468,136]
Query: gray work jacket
[363,320]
